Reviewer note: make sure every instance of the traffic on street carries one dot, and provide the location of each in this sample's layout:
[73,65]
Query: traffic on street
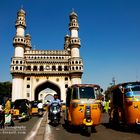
[85,115]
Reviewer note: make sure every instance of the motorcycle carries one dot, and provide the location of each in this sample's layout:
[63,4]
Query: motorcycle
[40,112]
[54,113]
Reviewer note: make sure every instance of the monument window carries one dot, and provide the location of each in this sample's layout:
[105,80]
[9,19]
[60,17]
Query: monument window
[59,68]
[28,67]
[41,68]
[28,78]
[28,94]
[53,68]
[65,68]
[66,85]
[66,78]
[28,86]
[35,68]
[47,67]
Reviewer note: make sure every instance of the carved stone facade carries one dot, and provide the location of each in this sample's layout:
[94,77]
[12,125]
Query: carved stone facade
[35,70]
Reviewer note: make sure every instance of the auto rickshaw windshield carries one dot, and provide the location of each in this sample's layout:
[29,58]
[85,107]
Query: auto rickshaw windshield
[132,91]
[87,92]
[133,88]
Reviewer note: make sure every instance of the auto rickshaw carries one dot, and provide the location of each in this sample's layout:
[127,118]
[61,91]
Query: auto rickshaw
[34,108]
[83,106]
[16,111]
[124,103]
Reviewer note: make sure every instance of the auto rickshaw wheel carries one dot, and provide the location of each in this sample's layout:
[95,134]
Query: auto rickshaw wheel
[88,130]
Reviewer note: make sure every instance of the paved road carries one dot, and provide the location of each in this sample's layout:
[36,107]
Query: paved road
[103,132]
[19,131]
[48,132]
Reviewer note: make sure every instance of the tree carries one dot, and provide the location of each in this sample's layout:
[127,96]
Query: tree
[5,88]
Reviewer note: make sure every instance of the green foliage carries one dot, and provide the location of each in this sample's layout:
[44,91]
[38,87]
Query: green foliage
[5,88]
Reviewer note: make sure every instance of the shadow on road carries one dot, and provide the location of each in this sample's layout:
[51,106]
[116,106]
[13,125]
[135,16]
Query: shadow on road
[77,129]
[119,127]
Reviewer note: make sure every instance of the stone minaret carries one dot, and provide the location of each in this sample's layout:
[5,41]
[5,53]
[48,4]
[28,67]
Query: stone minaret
[17,64]
[28,42]
[75,62]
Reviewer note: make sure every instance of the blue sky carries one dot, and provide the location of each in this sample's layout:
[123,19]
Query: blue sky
[109,33]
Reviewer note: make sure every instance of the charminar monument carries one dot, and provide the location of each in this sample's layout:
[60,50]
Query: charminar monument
[35,70]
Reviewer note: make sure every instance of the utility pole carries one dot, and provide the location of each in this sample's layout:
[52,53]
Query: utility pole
[113,80]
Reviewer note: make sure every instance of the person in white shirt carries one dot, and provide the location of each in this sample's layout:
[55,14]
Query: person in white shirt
[40,105]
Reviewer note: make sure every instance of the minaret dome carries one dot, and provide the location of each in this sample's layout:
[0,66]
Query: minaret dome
[21,19]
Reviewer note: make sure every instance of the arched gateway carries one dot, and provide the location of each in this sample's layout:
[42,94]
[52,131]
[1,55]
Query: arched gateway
[35,70]
[45,85]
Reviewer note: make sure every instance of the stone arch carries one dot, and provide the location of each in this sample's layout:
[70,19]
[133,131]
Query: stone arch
[45,85]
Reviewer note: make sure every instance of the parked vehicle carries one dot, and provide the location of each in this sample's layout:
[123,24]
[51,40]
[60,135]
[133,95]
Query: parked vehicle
[54,113]
[125,103]
[83,106]
[21,106]
[34,108]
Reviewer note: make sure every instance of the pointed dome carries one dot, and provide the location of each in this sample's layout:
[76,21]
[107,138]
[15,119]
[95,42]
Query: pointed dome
[66,35]
[21,11]
[73,14]
[28,35]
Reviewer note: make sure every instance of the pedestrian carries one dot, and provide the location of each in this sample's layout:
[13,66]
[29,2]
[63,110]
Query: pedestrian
[40,105]
[7,108]
[103,104]
[7,113]
[106,106]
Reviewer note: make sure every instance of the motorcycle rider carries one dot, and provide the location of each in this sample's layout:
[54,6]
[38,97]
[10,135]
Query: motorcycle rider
[55,100]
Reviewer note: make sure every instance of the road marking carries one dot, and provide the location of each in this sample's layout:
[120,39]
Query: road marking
[48,133]
[34,130]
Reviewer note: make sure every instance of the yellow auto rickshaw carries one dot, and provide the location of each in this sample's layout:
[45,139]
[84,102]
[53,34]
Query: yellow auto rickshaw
[34,108]
[17,110]
[124,103]
[83,106]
